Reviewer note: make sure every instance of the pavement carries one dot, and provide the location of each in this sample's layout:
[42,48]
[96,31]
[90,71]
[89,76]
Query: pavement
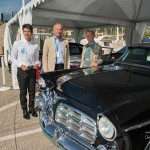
[17,133]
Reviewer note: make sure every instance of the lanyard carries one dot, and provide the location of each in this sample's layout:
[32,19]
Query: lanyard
[58,49]
[56,43]
[89,49]
[88,54]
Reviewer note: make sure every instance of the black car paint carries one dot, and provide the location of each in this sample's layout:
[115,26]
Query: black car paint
[120,92]
[125,88]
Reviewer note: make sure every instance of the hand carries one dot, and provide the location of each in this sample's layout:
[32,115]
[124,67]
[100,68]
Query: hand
[95,65]
[36,66]
[24,67]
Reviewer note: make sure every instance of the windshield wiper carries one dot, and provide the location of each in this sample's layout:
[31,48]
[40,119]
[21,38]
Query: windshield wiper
[132,64]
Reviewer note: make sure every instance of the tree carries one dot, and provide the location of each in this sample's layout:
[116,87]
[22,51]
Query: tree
[147,34]
[49,30]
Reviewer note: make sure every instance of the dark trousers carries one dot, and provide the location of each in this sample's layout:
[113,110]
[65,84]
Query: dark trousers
[27,81]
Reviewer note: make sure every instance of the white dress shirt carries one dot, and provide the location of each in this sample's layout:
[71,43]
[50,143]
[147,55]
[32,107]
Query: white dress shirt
[59,51]
[25,53]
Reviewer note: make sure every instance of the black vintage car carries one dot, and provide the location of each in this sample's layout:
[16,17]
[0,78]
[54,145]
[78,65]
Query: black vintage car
[99,108]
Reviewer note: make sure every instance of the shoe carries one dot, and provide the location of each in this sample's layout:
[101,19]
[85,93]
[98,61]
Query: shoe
[26,114]
[34,114]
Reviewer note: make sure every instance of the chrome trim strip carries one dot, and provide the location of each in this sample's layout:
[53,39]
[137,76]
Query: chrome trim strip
[67,143]
[137,126]
[147,146]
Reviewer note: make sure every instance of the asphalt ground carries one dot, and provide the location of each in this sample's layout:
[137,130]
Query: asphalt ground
[17,133]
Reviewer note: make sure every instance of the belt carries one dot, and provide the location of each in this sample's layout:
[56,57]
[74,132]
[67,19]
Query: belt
[59,66]
[28,68]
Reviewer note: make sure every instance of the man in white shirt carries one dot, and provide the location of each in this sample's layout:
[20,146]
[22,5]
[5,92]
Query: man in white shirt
[25,55]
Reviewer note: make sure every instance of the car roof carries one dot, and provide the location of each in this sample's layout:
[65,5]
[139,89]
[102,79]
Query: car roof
[141,45]
[75,44]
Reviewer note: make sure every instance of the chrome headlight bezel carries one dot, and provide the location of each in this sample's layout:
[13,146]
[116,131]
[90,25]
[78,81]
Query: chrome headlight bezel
[42,83]
[104,124]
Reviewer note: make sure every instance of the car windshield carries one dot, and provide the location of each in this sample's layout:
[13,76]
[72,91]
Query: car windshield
[74,50]
[139,56]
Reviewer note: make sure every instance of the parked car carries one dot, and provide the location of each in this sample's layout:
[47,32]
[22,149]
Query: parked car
[118,54]
[99,108]
[75,54]
[112,57]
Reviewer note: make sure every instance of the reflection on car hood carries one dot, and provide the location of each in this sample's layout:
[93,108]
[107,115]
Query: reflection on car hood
[102,84]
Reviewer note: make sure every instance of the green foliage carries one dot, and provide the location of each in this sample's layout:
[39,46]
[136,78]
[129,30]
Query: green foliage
[49,30]
[147,34]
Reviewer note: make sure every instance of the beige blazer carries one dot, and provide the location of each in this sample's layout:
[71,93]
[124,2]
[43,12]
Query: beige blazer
[49,55]
[96,55]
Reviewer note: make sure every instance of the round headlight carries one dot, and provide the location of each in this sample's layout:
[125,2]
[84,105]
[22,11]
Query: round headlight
[107,129]
[42,83]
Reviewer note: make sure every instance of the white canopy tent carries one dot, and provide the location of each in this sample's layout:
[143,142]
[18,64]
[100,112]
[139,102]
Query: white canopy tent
[81,14]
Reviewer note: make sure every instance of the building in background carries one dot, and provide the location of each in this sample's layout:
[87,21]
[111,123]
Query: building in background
[14,13]
[5,17]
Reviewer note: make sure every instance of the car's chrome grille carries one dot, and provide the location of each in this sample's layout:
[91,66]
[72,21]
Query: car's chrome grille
[77,122]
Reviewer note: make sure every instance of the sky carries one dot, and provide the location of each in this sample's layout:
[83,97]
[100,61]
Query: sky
[11,5]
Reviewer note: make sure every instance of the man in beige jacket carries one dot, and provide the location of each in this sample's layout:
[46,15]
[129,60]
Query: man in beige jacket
[92,52]
[56,55]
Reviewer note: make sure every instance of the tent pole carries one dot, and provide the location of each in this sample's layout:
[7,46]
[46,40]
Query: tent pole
[4,87]
[23,3]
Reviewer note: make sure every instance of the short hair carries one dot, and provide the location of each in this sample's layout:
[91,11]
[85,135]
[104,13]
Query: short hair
[28,26]
[56,25]
[91,31]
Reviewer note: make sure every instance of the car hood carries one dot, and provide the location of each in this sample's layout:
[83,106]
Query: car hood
[96,89]
[106,89]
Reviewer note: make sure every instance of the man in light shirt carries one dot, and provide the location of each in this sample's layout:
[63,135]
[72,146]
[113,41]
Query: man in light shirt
[56,55]
[25,55]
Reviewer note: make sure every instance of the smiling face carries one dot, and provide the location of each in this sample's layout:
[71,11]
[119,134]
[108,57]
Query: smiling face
[27,34]
[58,30]
[90,37]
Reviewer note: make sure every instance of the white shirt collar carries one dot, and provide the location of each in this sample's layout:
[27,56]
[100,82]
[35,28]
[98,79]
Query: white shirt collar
[26,42]
[60,39]
[91,43]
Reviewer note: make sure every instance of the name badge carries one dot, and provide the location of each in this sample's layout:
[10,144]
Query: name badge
[87,59]
[22,51]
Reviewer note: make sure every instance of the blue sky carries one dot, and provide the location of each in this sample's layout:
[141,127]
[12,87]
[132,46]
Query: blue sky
[10,5]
